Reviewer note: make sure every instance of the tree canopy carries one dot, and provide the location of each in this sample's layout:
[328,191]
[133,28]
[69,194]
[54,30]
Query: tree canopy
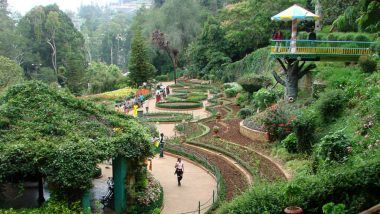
[45,132]
[10,73]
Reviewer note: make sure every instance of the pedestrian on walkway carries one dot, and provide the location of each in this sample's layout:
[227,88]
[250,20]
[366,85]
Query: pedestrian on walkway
[162,143]
[179,169]
[146,106]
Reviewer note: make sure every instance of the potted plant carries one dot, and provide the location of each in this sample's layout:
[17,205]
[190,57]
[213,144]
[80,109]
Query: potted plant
[215,130]
[218,116]
[291,192]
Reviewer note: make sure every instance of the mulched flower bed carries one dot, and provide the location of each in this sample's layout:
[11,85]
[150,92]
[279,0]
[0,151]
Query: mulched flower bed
[234,180]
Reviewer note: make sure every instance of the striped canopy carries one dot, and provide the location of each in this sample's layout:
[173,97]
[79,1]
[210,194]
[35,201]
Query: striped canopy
[295,12]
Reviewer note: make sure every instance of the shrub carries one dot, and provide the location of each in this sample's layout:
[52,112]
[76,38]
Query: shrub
[277,122]
[263,98]
[331,104]
[333,147]
[304,128]
[245,112]
[162,78]
[253,83]
[179,105]
[362,38]
[332,208]
[242,98]
[367,64]
[290,143]
[231,92]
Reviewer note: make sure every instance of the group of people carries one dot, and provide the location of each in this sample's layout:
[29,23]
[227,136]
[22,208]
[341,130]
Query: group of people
[277,36]
[161,92]
[134,103]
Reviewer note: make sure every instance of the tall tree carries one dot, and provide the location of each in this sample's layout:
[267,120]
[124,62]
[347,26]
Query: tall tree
[159,39]
[140,69]
[51,25]
[10,73]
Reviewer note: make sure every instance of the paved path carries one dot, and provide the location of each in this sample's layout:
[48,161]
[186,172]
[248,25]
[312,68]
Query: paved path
[197,185]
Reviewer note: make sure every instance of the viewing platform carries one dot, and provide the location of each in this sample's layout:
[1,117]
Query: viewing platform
[318,50]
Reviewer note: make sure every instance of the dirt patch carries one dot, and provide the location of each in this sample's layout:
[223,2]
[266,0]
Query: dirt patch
[234,179]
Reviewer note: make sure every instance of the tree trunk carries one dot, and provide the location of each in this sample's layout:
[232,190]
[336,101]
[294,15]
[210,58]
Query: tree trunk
[291,83]
[41,198]
[318,11]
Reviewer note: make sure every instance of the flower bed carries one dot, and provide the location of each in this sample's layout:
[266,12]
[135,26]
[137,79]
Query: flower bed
[151,198]
[167,117]
[179,105]
[120,93]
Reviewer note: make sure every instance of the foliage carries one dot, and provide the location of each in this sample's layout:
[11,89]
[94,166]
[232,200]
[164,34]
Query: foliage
[332,208]
[263,98]
[367,64]
[102,77]
[245,112]
[166,117]
[150,198]
[59,137]
[53,41]
[304,127]
[291,143]
[139,67]
[231,92]
[50,206]
[253,83]
[333,8]
[242,99]
[334,147]
[179,105]
[369,20]
[355,185]
[10,73]
[112,95]
[331,104]
[277,121]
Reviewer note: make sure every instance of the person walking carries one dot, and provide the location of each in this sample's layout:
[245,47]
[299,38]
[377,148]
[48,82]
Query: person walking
[146,106]
[179,170]
[162,143]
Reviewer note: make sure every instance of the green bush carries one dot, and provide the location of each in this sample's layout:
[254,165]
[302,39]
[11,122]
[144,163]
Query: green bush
[162,78]
[263,98]
[304,127]
[290,143]
[332,208]
[334,147]
[355,184]
[177,105]
[231,92]
[277,122]
[367,64]
[245,112]
[331,104]
[362,38]
[242,99]
[253,83]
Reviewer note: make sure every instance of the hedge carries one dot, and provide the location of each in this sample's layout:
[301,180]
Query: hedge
[189,105]
[166,117]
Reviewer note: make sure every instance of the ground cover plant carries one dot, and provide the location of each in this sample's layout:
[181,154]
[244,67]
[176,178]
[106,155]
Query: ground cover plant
[50,134]
[179,105]
[166,117]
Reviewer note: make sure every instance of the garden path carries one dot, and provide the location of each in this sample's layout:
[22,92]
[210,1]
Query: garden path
[197,185]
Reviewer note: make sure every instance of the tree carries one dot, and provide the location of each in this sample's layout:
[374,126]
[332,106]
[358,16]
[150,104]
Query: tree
[140,70]
[158,38]
[102,77]
[51,25]
[294,71]
[10,73]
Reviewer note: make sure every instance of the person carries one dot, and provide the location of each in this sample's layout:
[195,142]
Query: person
[146,105]
[162,143]
[167,90]
[277,37]
[312,35]
[179,170]
[125,108]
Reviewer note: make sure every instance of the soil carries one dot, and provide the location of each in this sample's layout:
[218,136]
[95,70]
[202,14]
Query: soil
[234,179]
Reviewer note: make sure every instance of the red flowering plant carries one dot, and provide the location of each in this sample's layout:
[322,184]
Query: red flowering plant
[278,121]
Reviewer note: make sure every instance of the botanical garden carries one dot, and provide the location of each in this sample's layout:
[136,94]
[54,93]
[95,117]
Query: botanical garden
[256,106]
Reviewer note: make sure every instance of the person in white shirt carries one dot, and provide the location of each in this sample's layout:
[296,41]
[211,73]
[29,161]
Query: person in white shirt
[179,169]
[146,106]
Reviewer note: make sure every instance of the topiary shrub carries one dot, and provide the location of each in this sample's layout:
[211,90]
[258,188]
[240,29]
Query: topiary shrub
[304,128]
[253,83]
[231,92]
[362,38]
[263,98]
[331,105]
[334,147]
[162,78]
[367,64]
[245,112]
[179,105]
[290,143]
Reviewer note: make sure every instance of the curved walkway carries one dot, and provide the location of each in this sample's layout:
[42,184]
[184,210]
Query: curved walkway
[197,185]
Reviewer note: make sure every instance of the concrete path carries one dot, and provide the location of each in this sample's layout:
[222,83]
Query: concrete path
[197,185]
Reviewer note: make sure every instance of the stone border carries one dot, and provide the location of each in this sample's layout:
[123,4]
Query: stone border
[254,135]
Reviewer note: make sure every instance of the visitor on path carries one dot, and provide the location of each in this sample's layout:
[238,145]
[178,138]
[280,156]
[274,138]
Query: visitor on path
[146,106]
[162,143]
[179,169]
[167,90]
[125,108]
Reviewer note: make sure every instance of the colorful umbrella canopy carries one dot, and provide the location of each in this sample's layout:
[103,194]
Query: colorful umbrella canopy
[295,12]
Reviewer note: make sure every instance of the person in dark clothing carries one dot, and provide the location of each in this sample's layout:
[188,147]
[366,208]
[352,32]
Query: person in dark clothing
[312,35]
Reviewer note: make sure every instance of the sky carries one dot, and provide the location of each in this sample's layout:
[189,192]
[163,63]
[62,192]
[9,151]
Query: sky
[24,6]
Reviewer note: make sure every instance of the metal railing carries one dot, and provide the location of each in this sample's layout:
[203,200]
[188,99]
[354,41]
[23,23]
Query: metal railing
[217,191]
[321,47]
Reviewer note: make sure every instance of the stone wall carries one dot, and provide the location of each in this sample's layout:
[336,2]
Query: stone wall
[254,135]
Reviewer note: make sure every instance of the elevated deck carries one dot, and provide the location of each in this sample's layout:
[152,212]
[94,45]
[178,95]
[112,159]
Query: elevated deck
[318,50]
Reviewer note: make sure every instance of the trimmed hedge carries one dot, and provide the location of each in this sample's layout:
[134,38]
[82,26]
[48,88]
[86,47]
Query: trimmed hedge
[189,105]
[356,185]
[166,117]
